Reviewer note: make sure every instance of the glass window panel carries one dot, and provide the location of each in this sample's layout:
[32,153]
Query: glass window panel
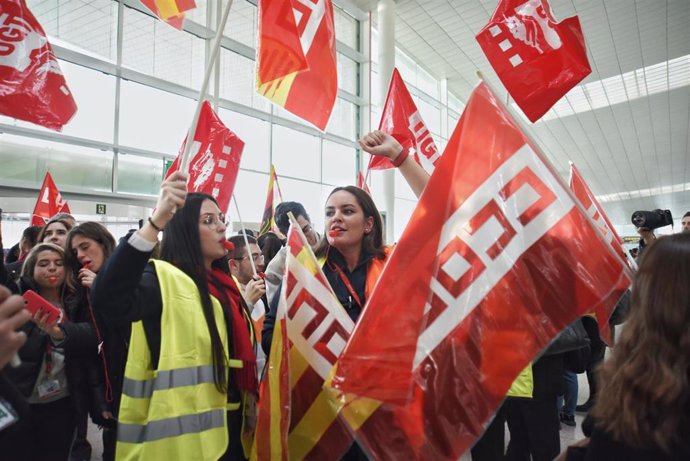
[296,154]
[407,68]
[430,114]
[28,159]
[345,28]
[198,14]
[454,103]
[85,25]
[339,164]
[342,121]
[280,112]
[152,119]
[402,189]
[376,96]
[153,47]
[347,74]
[250,192]
[256,135]
[427,83]
[237,81]
[403,213]
[139,175]
[94,93]
[241,25]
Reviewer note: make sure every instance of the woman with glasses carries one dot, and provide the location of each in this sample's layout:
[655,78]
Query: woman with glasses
[190,378]
[352,249]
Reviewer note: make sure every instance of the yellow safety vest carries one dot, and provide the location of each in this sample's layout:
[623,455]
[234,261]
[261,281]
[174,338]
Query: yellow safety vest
[175,411]
[523,386]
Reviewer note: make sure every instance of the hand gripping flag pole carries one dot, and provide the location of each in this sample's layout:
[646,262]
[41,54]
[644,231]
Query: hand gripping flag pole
[184,164]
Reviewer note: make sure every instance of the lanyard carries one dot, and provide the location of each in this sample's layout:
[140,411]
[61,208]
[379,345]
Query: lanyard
[348,285]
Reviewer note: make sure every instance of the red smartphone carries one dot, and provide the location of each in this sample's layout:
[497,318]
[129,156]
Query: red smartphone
[35,303]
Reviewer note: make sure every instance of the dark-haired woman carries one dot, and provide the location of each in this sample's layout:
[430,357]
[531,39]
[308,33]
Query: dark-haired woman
[352,247]
[643,408]
[53,359]
[55,231]
[190,375]
[88,247]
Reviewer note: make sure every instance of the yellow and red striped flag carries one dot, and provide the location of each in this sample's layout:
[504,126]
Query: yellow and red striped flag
[268,223]
[170,11]
[311,330]
[296,66]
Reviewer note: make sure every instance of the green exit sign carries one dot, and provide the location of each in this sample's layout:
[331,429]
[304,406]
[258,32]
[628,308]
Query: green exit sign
[100,208]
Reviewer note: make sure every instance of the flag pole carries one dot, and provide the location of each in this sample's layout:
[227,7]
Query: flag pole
[184,162]
[244,233]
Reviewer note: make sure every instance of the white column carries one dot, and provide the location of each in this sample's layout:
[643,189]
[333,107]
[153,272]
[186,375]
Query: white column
[386,15]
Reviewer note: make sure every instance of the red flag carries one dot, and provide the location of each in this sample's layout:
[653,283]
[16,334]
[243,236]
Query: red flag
[301,80]
[32,86]
[49,203]
[268,223]
[538,59]
[317,328]
[170,11]
[213,169]
[507,261]
[402,120]
[361,183]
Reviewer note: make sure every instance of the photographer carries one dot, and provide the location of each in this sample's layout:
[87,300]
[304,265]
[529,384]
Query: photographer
[646,222]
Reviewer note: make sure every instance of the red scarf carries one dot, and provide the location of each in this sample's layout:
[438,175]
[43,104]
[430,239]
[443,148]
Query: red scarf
[245,377]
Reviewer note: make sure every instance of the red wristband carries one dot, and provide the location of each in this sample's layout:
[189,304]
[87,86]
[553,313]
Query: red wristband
[402,156]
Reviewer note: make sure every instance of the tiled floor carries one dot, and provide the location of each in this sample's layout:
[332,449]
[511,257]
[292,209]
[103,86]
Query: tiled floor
[569,435]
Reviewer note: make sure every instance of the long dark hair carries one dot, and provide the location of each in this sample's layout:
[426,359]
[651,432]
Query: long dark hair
[372,243]
[181,246]
[42,233]
[645,385]
[94,231]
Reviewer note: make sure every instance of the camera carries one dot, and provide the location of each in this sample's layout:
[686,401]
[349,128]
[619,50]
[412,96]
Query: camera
[652,219]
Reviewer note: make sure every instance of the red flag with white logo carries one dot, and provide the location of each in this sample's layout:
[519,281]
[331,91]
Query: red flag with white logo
[538,59]
[303,80]
[213,169]
[508,260]
[32,86]
[402,120]
[49,203]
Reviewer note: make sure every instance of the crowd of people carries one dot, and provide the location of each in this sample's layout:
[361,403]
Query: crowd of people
[163,343]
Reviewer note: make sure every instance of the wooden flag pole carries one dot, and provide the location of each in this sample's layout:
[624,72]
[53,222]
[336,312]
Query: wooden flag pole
[244,233]
[184,162]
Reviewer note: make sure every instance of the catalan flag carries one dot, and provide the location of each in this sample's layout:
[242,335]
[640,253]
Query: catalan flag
[268,222]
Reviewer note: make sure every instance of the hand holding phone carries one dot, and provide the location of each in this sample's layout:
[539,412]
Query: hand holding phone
[41,309]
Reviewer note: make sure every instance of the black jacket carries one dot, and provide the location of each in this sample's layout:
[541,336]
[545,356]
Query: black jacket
[81,355]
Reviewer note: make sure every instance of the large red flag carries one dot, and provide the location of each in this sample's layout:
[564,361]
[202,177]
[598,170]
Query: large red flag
[32,86]
[538,59]
[170,11]
[213,169]
[402,120]
[303,79]
[508,260]
[49,202]
[311,330]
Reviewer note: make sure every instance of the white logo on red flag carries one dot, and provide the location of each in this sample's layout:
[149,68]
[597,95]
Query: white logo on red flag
[32,85]
[213,169]
[49,203]
[538,59]
[402,120]
[477,248]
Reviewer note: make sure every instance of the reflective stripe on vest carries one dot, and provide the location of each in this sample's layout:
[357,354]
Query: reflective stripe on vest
[176,411]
